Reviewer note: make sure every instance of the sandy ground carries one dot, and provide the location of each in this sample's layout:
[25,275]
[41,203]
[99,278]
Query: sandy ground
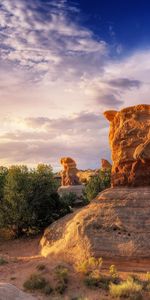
[23,257]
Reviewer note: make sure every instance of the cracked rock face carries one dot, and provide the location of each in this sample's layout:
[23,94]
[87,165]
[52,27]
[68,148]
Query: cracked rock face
[130,145]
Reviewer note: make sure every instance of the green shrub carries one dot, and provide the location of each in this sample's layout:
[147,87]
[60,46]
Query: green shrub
[47,290]
[41,267]
[3,261]
[101,282]
[97,184]
[61,278]
[127,289]
[69,199]
[35,282]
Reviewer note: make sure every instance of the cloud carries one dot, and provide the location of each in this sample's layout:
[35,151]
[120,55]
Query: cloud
[109,100]
[46,140]
[125,83]
[56,79]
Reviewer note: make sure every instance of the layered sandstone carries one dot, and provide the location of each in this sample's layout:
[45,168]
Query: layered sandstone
[69,173]
[130,144]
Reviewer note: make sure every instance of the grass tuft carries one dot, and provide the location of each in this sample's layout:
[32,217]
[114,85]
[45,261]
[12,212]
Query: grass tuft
[127,289]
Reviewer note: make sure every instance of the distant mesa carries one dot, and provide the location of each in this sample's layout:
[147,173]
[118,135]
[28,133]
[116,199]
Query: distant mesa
[115,224]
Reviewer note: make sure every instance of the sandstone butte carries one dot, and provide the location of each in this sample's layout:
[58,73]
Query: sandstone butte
[116,224]
[69,173]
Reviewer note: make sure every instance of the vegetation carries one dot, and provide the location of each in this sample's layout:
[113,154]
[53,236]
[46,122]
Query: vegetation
[91,265]
[3,261]
[35,282]
[127,289]
[40,267]
[61,278]
[29,200]
[97,184]
[113,272]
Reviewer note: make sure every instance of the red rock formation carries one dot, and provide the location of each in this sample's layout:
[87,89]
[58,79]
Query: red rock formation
[105,165]
[69,174]
[130,144]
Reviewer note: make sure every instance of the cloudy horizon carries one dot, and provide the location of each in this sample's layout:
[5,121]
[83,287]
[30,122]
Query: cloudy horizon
[57,77]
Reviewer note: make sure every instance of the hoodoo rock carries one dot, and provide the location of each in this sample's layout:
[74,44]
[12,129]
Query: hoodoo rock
[105,165]
[130,144]
[116,223]
[69,174]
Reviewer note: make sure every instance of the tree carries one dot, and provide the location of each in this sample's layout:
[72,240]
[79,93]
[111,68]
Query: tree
[30,200]
[43,198]
[14,210]
[97,184]
[3,174]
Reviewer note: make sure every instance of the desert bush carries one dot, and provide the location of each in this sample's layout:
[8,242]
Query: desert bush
[40,267]
[35,282]
[127,289]
[3,261]
[113,272]
[61,273]
[148,276]
[91,265]
[30,200]
[97,184]
[100,281]
[47,290]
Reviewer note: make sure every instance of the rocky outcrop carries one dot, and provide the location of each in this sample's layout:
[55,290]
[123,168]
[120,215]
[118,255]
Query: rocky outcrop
[69,173]
[10,292]
[130,144]
[105,165]
[116,224]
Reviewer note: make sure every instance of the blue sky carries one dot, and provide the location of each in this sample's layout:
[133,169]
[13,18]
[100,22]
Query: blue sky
[62,64]
[126,22]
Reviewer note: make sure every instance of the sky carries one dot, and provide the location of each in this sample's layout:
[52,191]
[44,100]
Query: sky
[62,64]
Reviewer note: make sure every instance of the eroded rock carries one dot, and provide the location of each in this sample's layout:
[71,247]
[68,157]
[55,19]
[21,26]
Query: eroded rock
[130,144]
[69,173]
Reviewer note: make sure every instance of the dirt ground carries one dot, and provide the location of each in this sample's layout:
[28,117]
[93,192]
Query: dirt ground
[23,257]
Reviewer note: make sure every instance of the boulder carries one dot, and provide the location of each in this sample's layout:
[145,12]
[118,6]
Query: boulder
[69,173]
[130,145]
[115,224]
[10,292]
